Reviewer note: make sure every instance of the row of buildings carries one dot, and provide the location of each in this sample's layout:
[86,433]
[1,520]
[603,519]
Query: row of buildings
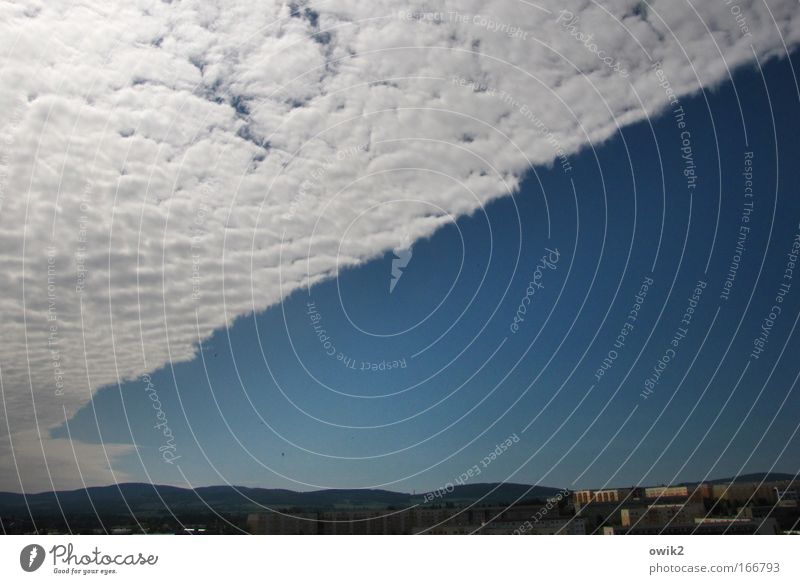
[487,520]
[733,508]
[773,492]
[705,508]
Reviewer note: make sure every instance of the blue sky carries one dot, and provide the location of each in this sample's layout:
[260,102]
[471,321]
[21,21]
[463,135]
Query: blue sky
[265,405]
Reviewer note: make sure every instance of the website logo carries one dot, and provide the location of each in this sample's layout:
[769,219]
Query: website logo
[31,557]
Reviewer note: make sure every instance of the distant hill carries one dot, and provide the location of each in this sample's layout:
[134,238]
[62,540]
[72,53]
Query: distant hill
[496,493]
[154,500]
[146,500]
[755,477]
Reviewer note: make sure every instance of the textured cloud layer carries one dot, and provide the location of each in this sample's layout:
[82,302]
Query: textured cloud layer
[168,167]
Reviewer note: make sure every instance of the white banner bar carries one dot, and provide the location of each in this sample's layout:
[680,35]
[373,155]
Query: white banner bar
[401,559]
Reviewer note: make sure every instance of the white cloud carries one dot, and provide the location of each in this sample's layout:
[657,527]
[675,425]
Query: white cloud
[134,131]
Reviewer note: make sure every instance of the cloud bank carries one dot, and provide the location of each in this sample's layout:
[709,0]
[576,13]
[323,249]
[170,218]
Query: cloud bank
[168,167]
